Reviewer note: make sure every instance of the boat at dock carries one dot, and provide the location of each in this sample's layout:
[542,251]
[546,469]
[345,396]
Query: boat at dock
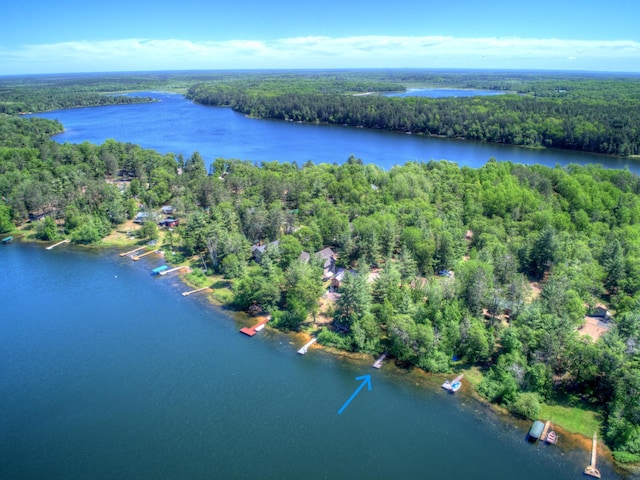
[536,430]
[453,385]
[159,270]
[548,435]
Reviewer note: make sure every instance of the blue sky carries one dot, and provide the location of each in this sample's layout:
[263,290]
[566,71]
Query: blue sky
[85,36]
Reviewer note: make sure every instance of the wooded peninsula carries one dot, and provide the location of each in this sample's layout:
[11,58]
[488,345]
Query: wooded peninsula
[528,276]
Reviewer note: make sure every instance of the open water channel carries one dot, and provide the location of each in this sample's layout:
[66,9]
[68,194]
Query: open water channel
[108,372]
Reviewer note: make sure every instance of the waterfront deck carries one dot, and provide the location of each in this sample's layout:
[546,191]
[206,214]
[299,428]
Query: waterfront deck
[378,362]
[304,349]
[56,244]
[453,385]
[190,292]
[138,257]
[591,469]
[251,331]
[164,272]
[545,431]
[131,252]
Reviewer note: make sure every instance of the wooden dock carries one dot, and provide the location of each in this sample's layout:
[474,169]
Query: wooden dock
[304,349]
[130,252]
[56,244]
[172,270]
[186,294]
[378,362]
[138,257]
[591,470]
[251,331]
[545,431]
[450,385]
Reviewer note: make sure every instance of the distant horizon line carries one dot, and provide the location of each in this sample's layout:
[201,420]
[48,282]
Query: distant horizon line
[333,69]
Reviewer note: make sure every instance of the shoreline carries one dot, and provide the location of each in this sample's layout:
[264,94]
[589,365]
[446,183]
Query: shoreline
[576,440]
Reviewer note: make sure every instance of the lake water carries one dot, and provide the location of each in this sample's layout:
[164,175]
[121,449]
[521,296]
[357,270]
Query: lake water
[176,125]
[109,373]
[444,92]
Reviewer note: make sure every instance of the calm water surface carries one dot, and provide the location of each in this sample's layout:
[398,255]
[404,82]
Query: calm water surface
[107,372]
[176,125]
[445,92]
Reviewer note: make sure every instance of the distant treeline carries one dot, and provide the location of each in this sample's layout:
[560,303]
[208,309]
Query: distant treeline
[594,114]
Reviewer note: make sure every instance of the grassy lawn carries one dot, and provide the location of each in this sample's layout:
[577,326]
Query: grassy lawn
[572,419]
[473,375]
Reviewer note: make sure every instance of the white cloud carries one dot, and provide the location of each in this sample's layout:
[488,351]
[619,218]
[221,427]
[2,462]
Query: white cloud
[323,52]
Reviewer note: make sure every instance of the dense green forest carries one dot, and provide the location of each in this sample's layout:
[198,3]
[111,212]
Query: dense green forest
[594,113]
[443,266]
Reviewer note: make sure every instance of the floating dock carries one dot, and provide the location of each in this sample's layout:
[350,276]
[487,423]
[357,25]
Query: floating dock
[378,362]
[130,252]
[304,349]
[56,244]
[164,272]
[138,257]
[453,385]
[591,470]
[159,270]
[186,294]
[251,331]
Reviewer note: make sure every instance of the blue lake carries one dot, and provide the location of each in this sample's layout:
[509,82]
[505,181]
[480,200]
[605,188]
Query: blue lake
[108,372]
[176,125]
[444,92]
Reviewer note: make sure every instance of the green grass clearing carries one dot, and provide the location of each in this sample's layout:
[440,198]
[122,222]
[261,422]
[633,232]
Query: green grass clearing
[572,419]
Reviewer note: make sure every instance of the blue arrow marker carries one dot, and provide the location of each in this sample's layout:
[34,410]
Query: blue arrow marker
[366,380]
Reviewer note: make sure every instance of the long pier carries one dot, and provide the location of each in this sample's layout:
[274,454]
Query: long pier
[56,244]
[304,349]
[138,257]
[378,362]
[124,254]
[186,294]
[591,470]
[173,269]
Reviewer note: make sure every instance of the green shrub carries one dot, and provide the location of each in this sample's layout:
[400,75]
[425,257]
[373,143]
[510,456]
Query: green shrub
[626,457]
[526,405]
[334,339]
